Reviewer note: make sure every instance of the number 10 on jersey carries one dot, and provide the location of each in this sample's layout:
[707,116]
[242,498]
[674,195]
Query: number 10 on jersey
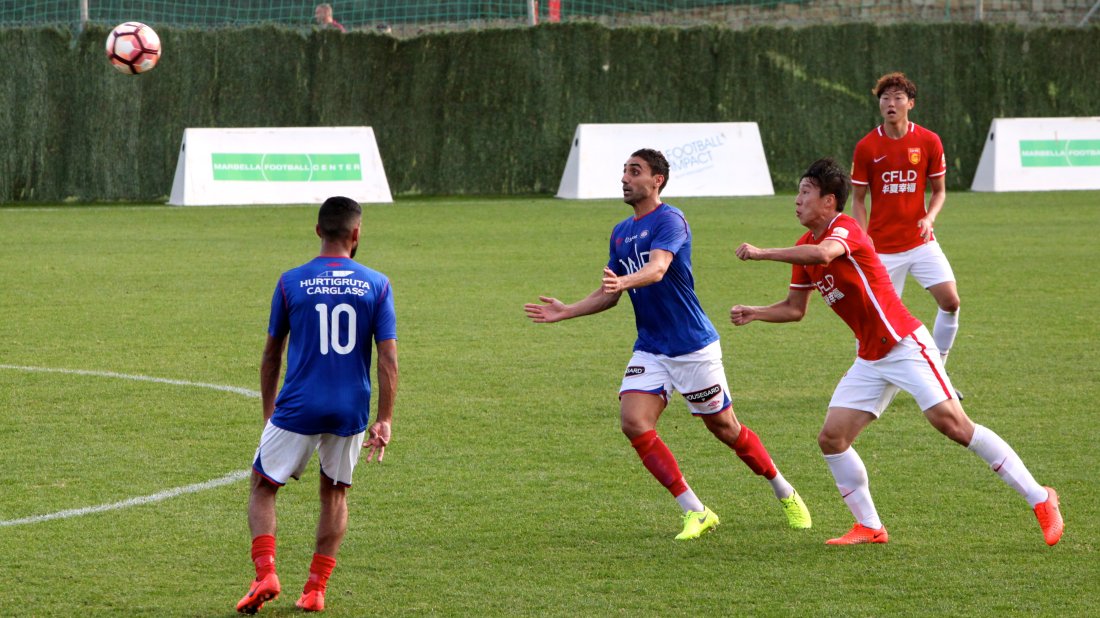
[330,328]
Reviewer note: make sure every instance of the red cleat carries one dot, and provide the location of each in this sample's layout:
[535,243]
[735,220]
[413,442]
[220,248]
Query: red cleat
[1050,517]
[262,591]
[312,601]
[860,534]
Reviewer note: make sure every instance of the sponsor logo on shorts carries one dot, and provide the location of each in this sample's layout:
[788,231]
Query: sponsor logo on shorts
[703,395]
[634,371]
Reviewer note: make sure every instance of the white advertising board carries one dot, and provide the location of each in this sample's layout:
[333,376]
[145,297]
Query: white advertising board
[705,159]
[299,165]
[1040,154]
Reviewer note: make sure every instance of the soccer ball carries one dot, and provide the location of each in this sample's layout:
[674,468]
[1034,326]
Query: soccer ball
[133,47]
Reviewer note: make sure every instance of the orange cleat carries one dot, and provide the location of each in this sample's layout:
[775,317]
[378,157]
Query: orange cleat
[861,534]
[312,601]
[1050,517]
[262,591]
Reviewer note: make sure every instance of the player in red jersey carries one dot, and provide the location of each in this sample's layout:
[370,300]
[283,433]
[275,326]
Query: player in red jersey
[896,163]
[838,259]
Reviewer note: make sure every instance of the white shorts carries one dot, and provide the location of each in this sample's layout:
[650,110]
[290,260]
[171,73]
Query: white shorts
[698,376]
[284,454]
[927,263]
[913,366]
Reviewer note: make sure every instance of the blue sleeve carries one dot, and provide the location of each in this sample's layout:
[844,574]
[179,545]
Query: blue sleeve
[278,325]
[671,234]
[385,318]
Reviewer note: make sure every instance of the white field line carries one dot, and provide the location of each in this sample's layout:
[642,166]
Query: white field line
[157,497]
[125,376]
[140,500]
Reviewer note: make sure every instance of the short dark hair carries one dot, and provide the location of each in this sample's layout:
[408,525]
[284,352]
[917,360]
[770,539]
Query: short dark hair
[338,216]
[831,179]
[896,80]
[656,161]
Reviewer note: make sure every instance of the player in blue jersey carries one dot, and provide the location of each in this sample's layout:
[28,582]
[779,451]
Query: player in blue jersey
[677,346]
[329,309]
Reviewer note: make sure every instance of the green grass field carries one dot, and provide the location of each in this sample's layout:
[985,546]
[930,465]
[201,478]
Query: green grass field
[508,489]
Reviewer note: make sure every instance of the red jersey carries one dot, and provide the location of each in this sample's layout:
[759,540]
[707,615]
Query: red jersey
[857,287]
[897,172]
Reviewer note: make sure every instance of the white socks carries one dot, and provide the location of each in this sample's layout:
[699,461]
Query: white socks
[851,479]
[944,331]
[1007,464]
[851,475]
[689,502]
[780,486]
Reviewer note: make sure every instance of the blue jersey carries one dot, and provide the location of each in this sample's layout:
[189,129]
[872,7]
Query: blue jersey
[332,307]
[668,314]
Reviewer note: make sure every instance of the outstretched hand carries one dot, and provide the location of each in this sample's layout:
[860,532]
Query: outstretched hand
[378,438]
[552,311]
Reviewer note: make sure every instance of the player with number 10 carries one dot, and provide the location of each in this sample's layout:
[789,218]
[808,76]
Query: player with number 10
[328,309]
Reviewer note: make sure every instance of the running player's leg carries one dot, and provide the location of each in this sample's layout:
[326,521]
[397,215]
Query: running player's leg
[638,416]
[840,429]
[748,447]
[701,378]
[925,378]
[859,398]
[949,418]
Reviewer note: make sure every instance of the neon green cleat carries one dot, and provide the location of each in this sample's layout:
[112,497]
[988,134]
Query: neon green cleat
[696,523]
[798,516]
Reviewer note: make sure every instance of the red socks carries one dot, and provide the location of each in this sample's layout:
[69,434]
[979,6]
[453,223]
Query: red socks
[751,451]
[319,571]
[263,555]
[659,461]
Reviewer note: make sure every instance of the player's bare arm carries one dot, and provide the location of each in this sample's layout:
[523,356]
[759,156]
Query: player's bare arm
[859,205]
[553,310]
[271,364]
[935,205]
[791,309]
[803,255]
[653,271]
[378,436]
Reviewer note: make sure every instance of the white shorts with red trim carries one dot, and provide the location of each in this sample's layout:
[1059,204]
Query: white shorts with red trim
[927,263]
[283,455]
[698,376]
[913,365]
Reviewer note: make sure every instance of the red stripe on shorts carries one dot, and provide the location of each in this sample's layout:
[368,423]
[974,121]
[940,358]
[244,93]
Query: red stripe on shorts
[939,378]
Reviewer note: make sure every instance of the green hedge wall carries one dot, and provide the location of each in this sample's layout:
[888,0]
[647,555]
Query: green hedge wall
[493,112]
